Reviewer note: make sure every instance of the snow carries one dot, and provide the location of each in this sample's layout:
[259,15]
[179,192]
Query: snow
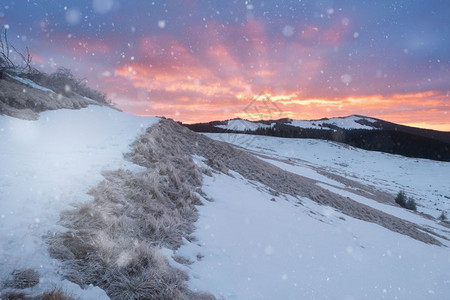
[254,245]
[249,243]
[390,209]
[349,122]
[254,248]
[46,166]
[424,180]
[31,83]
[242,125]
[303,170]
[89,100]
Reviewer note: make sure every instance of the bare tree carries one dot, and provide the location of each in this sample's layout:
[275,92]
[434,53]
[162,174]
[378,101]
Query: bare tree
[6,63]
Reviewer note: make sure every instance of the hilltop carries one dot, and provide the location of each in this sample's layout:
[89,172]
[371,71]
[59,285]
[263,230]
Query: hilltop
[355,130]
[24,95]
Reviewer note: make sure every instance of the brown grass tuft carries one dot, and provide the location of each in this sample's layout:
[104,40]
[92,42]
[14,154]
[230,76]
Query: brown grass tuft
[56,294]
[114,241]
[22,279]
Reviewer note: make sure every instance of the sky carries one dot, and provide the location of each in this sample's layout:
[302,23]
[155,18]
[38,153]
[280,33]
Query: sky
[197,61]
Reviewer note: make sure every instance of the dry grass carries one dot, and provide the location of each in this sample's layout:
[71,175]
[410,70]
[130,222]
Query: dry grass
[22,101]
[22,279]
[13,296]
[114,241]
[56,294]
[223,157]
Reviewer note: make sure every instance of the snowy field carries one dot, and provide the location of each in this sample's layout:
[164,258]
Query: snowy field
[253,245]
[47,165]
[424,180]
[250,243]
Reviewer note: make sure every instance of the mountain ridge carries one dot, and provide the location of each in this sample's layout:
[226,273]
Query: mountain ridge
[355,130]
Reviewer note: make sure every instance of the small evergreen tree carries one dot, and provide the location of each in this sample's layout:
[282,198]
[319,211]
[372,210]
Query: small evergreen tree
[443,217]
[411,204]
[401,199]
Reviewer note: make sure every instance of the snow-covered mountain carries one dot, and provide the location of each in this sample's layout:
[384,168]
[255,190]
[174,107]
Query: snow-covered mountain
[350,122]
[241,125]
[184,215]
[357,131]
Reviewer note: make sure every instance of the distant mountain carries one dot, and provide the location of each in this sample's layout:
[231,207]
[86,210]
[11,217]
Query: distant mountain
[355,130]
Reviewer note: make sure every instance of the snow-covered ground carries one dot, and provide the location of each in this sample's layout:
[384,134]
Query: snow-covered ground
[350,122]
[424,180]
[250,243]
[242,125]
[254,245]
[255,248]
[47,165]
[31,83]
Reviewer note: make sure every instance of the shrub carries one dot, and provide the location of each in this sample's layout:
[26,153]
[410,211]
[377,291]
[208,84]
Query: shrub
[404,202]
[411,204]
[401,199]
[62,81]
[6,62]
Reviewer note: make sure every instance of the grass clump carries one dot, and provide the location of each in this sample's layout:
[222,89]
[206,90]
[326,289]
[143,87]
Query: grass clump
[22,279]
[63,82]
[55,294]
[115,241]
[13,295]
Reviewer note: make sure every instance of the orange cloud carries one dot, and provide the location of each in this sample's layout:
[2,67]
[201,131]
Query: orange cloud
[219,81]
[398,108]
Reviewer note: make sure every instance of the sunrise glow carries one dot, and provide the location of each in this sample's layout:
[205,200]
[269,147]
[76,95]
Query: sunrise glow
[197,62]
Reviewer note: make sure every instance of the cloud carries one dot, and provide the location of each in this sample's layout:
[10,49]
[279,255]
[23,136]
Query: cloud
[218,79]
[209,61]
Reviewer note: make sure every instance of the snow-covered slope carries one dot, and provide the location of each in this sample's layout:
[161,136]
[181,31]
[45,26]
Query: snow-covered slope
[350,122]
[424,180]
[31,83]
[261,233]
[241,125]
[253,247]
[257,244]
[23,98]
[45,166]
